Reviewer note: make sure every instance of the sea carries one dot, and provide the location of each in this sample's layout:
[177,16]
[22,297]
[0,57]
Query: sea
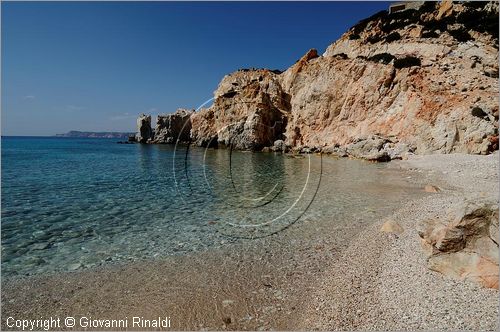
[70,204]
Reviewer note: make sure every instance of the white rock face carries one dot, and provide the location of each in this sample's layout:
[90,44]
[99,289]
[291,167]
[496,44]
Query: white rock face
[345,96]
[173,127]
[249,112]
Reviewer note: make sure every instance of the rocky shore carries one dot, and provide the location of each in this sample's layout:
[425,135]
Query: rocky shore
[420,85]
[418,81]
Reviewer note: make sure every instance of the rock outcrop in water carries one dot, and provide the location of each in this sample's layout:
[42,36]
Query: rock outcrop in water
[417,81]
[171,127]
[144,131]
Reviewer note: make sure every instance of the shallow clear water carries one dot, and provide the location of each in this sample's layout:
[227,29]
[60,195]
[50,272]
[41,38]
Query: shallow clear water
[70,204]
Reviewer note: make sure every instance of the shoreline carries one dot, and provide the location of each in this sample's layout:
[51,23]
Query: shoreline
[360,278]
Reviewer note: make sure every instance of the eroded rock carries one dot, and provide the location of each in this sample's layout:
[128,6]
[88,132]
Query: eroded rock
[173,127]
[413,82]
[464,245]
[337,100]
[249,112]
[144,130]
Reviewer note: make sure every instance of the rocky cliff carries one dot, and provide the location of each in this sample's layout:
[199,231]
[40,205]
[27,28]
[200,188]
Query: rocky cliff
[249,112]
[416,81]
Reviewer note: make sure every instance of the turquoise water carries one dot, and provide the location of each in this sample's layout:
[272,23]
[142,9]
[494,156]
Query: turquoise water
[70,204]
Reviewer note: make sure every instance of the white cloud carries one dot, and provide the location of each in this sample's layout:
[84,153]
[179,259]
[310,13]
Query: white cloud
[29,97]
[128,116]
[124,116]
[74,108]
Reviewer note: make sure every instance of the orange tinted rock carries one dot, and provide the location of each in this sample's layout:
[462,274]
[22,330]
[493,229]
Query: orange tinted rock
[391,226]
[431,189]
[354,92]
[465,246]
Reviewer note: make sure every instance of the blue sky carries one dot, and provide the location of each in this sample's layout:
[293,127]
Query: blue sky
[96,65]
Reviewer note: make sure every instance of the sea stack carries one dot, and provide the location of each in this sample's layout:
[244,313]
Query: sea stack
[144,131]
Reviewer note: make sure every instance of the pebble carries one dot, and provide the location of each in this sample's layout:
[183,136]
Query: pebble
[75,266]
[227,303]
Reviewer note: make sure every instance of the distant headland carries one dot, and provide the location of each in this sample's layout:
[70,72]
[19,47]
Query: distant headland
[91,134]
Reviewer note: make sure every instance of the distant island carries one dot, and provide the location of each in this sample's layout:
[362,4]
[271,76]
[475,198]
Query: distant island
[90,134]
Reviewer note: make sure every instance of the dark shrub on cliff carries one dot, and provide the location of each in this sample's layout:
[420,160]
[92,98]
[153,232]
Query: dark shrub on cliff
[434,25]
[429,34]
[427,7]
[478,112]
[400,20]
[479,20]
[408,61]
[384,58]
[373,39]
[341,56]
[474,4]
[393,36]
[354,36]
[461,35]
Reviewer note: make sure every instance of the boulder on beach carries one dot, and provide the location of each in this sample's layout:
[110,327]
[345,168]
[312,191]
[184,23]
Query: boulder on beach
[465,244]
[392,226]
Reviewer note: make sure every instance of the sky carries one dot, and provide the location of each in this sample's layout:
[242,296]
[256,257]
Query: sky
[95,66]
